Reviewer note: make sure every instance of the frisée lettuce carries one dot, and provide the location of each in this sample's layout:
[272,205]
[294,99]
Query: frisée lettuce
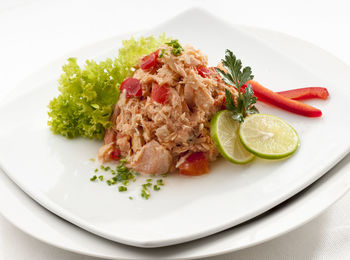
[87,94]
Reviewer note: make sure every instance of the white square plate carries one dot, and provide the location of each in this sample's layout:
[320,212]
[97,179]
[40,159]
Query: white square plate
[56,171]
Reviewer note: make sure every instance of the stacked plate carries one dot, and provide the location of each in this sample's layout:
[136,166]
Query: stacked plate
[189,215]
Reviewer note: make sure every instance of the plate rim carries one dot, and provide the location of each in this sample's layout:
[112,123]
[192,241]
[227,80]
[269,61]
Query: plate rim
[296,200]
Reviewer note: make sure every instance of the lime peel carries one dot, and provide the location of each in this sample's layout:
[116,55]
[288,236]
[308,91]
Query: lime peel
[224,132]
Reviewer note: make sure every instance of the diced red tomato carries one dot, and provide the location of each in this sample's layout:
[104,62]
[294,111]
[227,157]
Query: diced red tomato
[160,93]
[203,71]
[132,87]
[195,164]
[150,61]
[115,154]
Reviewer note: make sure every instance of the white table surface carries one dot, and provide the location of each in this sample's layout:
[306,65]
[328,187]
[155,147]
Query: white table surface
[34,32]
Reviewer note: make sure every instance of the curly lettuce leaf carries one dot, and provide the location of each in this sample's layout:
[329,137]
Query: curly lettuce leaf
[87,95]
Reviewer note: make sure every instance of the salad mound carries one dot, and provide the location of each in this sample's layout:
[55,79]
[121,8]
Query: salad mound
[162,117]
[87,95]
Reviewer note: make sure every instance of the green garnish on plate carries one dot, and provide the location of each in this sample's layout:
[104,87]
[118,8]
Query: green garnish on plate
[237,77]
[177,48]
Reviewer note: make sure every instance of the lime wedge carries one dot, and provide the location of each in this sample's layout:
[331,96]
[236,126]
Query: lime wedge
[224,131]
[268,136]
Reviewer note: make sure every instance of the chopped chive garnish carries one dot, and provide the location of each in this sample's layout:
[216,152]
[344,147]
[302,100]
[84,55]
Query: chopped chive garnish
[146,185]
[111,181]
[145,194]
[123,175]
[162,52]
[122,188]
[177,48]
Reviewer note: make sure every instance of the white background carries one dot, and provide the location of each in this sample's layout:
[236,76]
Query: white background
[34,32]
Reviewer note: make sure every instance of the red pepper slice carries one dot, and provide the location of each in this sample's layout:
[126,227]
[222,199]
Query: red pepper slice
[150,61]
[115,154]
[159,93]
[132,87]
[305,93]
[285,103]
[203,71]
[196,164]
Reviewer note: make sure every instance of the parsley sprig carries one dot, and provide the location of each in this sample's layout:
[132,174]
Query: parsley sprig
[237,77]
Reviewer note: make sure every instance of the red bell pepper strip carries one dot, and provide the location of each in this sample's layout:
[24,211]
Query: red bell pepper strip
[285,103]
[305,93]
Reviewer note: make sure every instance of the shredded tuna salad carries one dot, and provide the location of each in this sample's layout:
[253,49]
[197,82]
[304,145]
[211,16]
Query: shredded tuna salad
[163,113]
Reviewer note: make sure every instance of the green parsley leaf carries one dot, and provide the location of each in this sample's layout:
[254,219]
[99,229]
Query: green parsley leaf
[237,77]
[93,178]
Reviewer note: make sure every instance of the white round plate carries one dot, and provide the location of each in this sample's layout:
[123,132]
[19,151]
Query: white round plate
[56,171]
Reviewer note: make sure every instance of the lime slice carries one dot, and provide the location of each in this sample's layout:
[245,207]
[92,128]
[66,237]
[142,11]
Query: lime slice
[268,136]
[224,131]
